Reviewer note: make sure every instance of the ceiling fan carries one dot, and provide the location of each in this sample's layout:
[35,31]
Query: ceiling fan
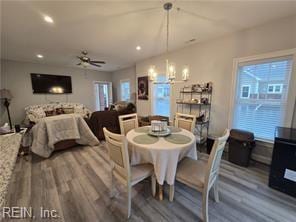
[85,60]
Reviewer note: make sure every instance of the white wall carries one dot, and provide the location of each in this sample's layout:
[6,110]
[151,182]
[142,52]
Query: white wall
[123,74]
[213,61]
[15,76]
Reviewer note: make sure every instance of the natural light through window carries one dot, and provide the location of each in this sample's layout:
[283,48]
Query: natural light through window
[261,96]
[125,90]
[103,95]
[161,97]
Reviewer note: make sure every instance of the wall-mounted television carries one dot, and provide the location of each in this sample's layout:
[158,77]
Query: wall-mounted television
[51,84]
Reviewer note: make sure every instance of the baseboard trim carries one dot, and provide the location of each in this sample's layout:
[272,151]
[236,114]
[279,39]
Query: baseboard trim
[261,159]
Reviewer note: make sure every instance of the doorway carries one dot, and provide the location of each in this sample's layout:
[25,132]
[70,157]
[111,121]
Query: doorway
[103,95]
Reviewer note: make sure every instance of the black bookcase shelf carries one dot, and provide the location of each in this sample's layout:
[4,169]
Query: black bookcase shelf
[197,107]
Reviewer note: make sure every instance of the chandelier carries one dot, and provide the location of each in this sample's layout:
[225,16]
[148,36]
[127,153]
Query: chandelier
[170,67]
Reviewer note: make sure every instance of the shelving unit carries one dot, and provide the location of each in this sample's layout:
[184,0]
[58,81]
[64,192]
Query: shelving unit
[197,103]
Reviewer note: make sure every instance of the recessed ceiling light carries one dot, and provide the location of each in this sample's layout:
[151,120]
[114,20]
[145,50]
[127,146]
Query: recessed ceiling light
[48,19]
[39,56]
[138,48]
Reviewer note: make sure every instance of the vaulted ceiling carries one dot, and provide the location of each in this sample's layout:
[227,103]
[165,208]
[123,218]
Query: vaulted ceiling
[111,30]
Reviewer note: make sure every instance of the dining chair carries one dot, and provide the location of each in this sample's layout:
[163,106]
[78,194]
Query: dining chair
[121,169]
[128,122]
[201,175]
[185,121]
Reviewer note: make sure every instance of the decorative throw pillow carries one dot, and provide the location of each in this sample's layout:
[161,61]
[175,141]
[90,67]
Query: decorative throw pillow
[120,107]
[36,114]
[79,110]
[59,111]
[50,112]
[68,110]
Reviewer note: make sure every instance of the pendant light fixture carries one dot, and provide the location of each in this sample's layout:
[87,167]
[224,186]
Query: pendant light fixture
[170,67]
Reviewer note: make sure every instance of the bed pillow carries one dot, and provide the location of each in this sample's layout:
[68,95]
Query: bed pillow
[50,112]
[68,110]
[59,111]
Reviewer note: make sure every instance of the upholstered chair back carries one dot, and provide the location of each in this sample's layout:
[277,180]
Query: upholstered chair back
[118,153]
[185,121]
[128,122]
[215,159]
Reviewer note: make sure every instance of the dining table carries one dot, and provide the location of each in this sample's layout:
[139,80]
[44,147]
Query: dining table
[163,152]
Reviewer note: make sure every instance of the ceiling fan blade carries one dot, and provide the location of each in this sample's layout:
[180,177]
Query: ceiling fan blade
[102,62]
[93,64]
[79,57]
[78,64]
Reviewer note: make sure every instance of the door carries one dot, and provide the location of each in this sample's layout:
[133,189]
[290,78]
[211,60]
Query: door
[103,95]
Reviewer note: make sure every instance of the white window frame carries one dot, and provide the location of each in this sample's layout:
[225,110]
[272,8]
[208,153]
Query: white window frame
[152,90]
[123,81]
[273,88]
[249,91]
[291,90]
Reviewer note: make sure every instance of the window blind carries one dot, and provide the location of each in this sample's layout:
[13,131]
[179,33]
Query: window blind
[261,96]
[161,97]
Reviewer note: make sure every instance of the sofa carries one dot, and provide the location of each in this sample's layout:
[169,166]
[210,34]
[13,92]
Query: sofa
[109,119]
[146,120]
[37,112]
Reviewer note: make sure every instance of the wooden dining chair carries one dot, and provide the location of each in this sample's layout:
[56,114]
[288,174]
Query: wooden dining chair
[203,176]
[185,121]
[128,122]
[121,169]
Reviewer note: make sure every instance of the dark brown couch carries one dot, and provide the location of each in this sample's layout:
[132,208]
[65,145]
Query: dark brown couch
[108,119]
[101,119]
[146,120]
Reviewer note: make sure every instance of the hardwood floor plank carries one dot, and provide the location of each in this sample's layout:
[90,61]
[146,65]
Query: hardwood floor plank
[76,182]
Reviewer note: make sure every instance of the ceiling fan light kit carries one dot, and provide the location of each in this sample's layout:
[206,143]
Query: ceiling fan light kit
[170,67]
[85,61]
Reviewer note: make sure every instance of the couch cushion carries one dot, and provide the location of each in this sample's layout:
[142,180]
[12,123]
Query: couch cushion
[101,119]
[192,172]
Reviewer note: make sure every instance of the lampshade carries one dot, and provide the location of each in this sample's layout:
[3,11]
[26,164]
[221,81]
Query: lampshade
[5,94]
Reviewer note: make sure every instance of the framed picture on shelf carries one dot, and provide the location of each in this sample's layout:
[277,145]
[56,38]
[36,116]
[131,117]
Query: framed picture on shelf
[143,88]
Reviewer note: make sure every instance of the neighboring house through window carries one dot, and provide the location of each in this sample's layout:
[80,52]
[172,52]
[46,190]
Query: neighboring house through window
[125,93]
[274,88]
[261,97]
[245,92]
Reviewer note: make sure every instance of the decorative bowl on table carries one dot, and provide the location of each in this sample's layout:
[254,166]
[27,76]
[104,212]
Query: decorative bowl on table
[159,128]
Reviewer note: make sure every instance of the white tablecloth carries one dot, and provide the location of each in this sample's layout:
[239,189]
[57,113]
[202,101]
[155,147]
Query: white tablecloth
[164,155]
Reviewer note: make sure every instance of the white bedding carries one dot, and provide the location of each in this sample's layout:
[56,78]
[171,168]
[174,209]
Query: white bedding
[51,130]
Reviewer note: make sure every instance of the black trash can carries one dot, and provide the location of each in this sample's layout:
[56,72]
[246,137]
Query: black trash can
[241,144]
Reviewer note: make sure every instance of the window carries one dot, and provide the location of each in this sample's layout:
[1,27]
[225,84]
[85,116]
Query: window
[161,97]
[245,92]
[125,90]
[274,88]
[260,102]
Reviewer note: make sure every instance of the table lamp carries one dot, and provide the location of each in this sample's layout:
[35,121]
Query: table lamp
[6,96]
